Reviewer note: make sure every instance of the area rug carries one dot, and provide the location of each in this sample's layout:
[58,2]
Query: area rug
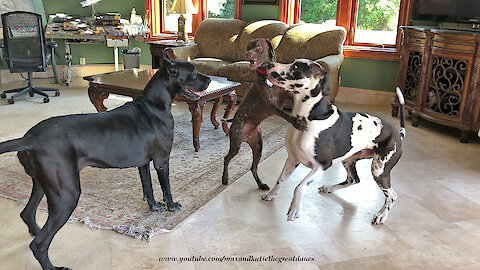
[112,198]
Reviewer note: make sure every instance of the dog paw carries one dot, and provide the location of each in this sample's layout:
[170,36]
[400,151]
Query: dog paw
[269,196]
[300,123]
[225,179]
[263,186]
[156,206]
[293,212]
[379,218]
[325,189]
[174,207]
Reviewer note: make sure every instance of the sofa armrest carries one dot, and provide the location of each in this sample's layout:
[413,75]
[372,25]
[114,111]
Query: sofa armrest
[186,53]
[333,62]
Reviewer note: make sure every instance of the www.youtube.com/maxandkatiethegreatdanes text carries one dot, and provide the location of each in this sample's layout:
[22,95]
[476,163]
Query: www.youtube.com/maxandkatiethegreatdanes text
[250,258]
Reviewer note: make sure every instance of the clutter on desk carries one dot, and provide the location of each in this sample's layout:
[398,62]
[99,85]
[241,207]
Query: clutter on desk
[110,24]
[108,19]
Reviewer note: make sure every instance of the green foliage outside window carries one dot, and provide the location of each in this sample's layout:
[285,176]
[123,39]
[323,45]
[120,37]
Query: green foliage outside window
[226,11]
[318,11]
[373,14]
[378,14]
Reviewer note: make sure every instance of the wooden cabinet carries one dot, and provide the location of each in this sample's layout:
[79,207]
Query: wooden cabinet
[439,77]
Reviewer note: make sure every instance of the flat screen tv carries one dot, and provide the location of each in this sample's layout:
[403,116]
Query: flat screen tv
[457,11]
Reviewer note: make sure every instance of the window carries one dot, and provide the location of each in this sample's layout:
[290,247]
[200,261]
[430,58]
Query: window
[371,24]
[171,19]
[321,12]
[221,9]
[164,25]
[377,22]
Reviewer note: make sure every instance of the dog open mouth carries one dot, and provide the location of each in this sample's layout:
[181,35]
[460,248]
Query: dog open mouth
[254,63]
[192,95]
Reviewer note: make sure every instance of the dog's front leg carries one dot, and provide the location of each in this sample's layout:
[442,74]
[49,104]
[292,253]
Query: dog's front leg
[146,179]
[296,205]
[288,169]
[163,169]
[297,122]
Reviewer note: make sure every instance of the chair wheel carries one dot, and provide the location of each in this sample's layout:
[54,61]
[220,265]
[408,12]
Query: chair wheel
[11,101]
[46,100]
[2,95]
[30,94]
[57,93]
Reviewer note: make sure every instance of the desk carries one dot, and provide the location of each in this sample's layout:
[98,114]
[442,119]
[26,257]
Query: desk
[73,37]
[132,82]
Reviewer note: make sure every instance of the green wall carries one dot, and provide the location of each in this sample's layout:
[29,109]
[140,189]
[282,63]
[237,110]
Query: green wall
[369,74]
[256,12]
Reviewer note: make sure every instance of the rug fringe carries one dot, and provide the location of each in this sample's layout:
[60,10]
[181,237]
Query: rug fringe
[139,232]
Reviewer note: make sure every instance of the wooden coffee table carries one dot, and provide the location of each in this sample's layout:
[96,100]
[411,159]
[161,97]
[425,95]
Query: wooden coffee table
[132,82]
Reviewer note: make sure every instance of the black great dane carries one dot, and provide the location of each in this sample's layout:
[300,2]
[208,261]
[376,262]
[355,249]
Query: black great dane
[54,151]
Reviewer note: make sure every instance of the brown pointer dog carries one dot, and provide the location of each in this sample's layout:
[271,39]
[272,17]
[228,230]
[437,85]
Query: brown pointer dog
[260,102]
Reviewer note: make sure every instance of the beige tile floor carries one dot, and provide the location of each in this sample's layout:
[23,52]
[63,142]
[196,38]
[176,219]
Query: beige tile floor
[435,223]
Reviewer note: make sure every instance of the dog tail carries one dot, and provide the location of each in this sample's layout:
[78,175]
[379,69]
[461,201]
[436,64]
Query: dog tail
[14,145]
[401,100]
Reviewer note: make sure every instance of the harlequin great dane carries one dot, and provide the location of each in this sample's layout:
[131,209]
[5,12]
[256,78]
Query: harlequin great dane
[333,136]
[54,151]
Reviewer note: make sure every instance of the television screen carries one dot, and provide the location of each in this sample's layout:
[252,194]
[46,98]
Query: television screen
[446,10]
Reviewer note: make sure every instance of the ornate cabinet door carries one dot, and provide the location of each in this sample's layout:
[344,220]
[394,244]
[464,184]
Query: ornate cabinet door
[412,54]
[448,77]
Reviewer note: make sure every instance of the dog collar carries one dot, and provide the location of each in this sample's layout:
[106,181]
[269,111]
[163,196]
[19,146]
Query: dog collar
[262,71]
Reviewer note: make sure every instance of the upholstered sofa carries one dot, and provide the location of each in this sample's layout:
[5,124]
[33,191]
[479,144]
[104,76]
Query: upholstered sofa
[221,44]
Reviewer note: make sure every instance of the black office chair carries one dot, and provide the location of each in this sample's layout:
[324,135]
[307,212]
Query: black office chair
[26,50]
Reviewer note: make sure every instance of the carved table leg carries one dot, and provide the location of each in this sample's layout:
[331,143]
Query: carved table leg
[464,135]
[232,100]
[97,97]
[197,111]
[415,120]
[395,110]
[216,103]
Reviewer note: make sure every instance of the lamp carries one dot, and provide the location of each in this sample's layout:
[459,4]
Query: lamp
[182,7]
[90,3]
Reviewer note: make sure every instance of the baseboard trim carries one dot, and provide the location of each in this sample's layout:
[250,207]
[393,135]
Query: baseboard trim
[78,71]
[364,96]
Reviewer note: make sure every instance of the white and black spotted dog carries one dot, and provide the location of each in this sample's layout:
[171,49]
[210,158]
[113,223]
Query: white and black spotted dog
[333,136]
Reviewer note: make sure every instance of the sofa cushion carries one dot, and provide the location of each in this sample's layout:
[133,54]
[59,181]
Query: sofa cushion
[209,66]
[310,41]
[238,72]
[216,38]
[272,30]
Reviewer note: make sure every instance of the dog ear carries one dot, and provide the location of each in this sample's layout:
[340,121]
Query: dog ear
[271,52]
[172,69]
[166,55]
[169,65]
[320,70]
